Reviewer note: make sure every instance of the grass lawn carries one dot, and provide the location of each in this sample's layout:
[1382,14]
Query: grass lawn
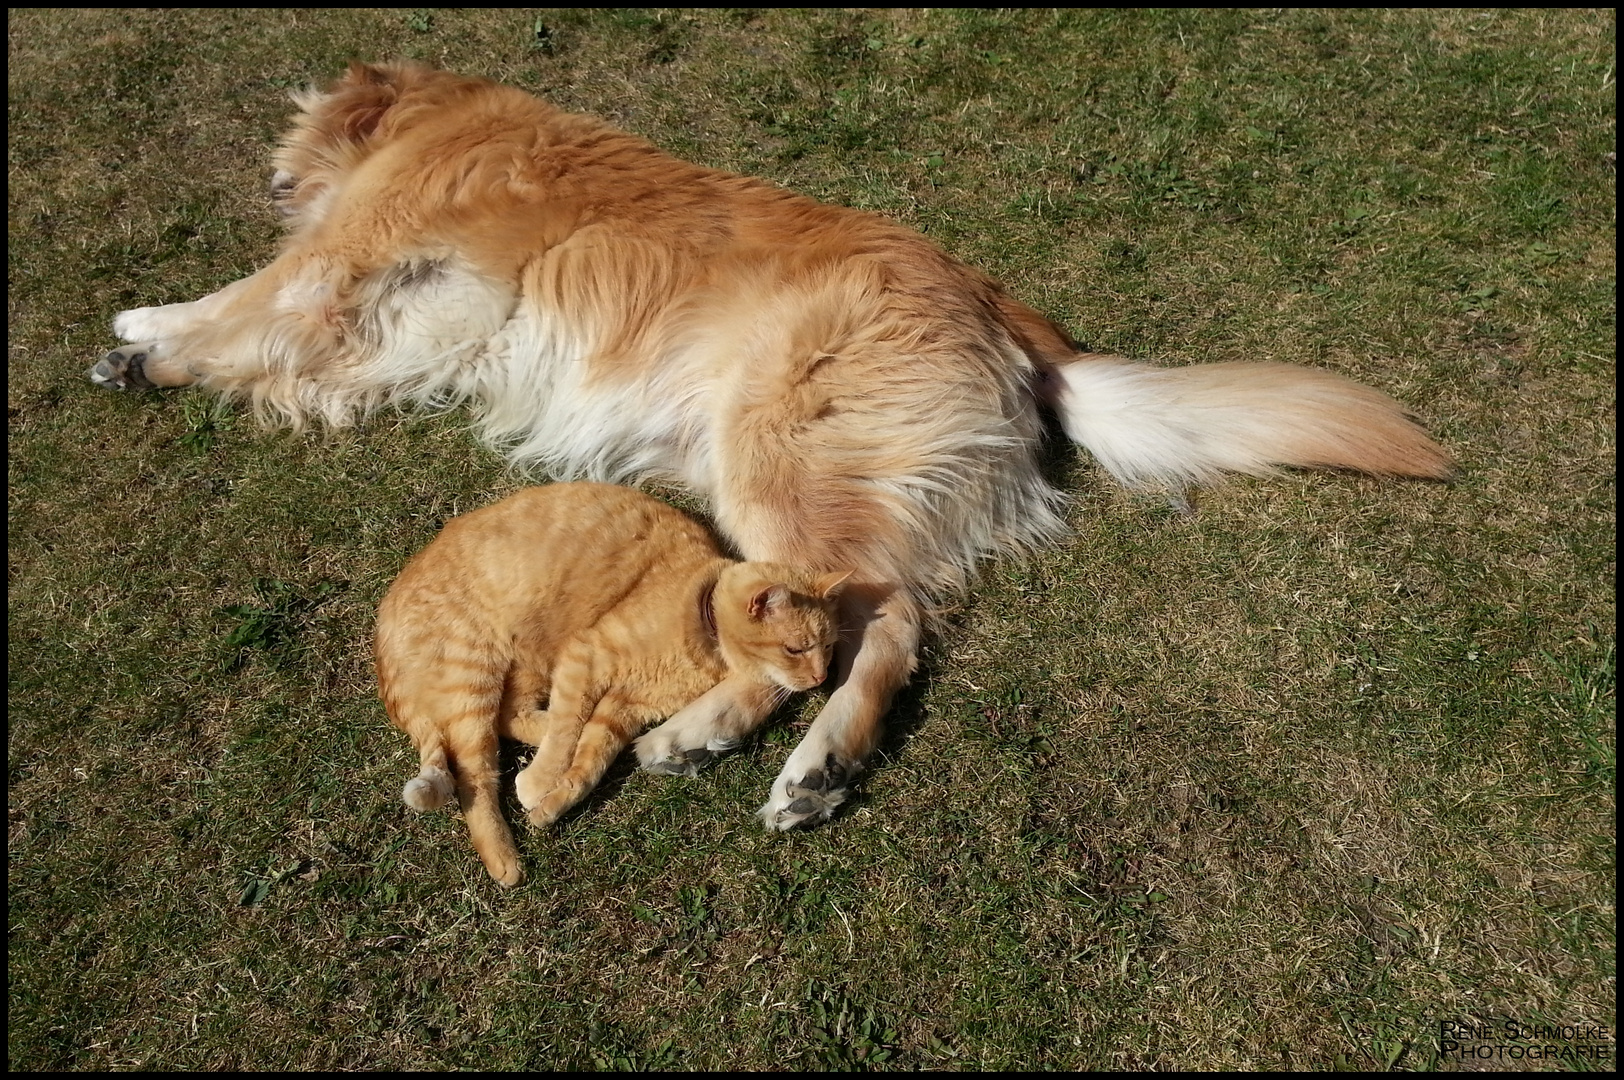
[1287,783]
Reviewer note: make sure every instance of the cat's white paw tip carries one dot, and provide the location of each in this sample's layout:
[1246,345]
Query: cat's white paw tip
[663,755]
[526,790]
[428,790]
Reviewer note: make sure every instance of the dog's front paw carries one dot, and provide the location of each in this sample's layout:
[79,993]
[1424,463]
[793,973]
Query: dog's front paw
[810,800]
[283,186]
[123,368]
[142,323]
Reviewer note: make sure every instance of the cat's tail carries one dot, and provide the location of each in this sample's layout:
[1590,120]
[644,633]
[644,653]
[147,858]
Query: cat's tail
[433,786]
[1168,428]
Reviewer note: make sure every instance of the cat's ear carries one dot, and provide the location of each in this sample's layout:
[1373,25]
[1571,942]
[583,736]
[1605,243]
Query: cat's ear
[768,601]
[830,586]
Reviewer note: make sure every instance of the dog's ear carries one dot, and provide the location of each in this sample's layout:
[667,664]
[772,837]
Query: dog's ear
[364,74]
[357,103]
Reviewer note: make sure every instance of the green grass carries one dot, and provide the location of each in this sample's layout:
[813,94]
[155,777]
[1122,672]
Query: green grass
[1283,784]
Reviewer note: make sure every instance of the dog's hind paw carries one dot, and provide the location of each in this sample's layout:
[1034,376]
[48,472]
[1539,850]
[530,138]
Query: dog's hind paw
[283,186]
[809,801]
[123,368]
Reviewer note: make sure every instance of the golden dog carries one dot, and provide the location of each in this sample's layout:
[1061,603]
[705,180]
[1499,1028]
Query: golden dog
[843,392]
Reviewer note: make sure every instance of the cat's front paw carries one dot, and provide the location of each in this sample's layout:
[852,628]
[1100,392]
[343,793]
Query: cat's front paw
[553,805]
[809,800]
[546,794]
[506,871]
[123,368]
[662,751]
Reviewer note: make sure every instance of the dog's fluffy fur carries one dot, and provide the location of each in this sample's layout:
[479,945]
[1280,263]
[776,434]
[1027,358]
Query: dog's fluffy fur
[841,390]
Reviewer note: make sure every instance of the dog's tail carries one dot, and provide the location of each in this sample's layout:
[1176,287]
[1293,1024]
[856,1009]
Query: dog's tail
[1156,427]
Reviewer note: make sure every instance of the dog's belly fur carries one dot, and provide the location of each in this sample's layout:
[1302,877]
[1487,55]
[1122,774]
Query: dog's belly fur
[437,331]
[447,333]
[543,401]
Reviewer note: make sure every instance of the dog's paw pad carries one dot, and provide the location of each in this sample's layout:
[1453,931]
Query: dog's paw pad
[809,801]
[123,369]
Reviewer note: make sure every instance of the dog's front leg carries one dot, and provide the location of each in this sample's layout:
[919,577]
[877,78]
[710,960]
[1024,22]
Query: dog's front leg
[148,361]
[144,366]
[227,336]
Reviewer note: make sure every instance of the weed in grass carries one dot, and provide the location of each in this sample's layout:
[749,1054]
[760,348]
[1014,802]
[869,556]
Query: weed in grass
[1590,707]
[797,902]
[206,419]
[257,887]
[541,36]
[611,1052]
[271,626]
[847,1034]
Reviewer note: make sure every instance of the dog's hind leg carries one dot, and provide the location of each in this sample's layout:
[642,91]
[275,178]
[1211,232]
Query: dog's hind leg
[886,622]
[790,513]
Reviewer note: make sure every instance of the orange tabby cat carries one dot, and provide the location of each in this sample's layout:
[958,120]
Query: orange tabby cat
[570,617]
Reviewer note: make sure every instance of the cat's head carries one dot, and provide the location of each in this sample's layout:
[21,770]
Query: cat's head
[778,622]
